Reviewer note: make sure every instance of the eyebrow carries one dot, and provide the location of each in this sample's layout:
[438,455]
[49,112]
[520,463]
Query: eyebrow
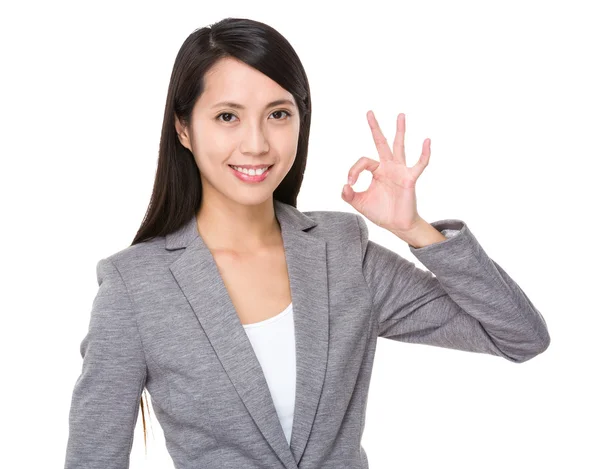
[239,106]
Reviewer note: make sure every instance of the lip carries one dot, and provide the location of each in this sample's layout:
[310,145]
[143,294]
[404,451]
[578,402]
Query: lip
[248,178]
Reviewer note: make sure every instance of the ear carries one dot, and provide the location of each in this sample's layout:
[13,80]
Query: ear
[183,134]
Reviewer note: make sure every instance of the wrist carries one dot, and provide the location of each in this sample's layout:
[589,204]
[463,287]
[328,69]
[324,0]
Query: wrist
[420,235]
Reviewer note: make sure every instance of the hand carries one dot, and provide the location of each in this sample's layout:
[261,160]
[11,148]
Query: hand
[390,201]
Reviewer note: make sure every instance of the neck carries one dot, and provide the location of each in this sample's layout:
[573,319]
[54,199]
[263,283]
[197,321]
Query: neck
[238,228]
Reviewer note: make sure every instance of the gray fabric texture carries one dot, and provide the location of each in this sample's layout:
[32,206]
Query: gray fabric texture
[162,319]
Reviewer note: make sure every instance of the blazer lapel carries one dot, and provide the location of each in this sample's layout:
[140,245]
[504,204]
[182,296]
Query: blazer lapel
[200,281]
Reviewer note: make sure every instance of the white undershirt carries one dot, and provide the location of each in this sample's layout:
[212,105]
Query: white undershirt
[274,344]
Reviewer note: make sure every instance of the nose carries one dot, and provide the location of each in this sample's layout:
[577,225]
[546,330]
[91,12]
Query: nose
[254,141]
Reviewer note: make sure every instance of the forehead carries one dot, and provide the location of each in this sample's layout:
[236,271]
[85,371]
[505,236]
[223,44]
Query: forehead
[232,80]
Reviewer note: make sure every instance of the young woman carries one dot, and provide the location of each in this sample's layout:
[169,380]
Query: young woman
[252,324]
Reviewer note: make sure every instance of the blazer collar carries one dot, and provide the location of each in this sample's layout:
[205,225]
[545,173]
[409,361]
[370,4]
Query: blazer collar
[195,272]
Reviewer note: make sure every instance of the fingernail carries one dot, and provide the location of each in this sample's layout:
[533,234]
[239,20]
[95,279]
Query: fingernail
[350,180]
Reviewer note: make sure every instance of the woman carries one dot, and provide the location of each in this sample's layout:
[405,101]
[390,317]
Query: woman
[253,325]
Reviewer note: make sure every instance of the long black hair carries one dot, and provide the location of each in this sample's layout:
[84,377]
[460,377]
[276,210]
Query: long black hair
[177,191]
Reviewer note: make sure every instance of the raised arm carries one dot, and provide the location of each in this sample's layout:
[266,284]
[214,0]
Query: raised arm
[466,301]
[106,396]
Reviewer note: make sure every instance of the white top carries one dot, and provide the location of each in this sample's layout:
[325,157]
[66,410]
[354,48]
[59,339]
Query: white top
[274,344]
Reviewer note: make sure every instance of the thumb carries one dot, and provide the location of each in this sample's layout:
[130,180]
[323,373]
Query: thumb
[350,196]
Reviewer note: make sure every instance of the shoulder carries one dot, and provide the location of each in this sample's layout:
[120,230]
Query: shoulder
[142,257]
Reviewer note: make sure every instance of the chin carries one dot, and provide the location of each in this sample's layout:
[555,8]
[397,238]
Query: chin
[250,197]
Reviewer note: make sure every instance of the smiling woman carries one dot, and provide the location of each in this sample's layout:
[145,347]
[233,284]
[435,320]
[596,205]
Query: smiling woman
[234,142]
[223,246]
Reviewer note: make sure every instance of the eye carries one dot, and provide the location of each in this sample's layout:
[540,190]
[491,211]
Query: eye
[229,115]
[288,114]
[224,114]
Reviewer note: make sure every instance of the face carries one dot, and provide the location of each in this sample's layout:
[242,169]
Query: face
[257,132]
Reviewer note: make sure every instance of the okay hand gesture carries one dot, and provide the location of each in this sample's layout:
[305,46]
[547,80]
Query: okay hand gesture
[390,201]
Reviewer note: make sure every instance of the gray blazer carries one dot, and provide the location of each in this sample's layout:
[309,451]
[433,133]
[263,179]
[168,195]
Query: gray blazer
[162,319]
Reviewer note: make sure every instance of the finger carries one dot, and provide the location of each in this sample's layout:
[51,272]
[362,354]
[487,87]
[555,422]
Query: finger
[399,154]
[356,199]
[362,164]
[424,158]
[380,141]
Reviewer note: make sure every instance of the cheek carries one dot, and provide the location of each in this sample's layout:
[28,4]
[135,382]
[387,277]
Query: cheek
[287,141]
[212,147]
[291,147]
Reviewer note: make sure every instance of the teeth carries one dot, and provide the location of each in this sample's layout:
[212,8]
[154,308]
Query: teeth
[250,172]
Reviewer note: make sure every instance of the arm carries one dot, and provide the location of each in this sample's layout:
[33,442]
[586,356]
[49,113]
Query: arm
[465,301]
[106,397]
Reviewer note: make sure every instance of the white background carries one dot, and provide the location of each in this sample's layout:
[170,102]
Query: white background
[508,93]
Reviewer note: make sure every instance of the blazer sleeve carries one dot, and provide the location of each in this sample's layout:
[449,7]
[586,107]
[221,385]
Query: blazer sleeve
[466,301]
[106,396]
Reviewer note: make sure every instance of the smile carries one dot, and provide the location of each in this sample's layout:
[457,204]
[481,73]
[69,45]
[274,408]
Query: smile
[251,175]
